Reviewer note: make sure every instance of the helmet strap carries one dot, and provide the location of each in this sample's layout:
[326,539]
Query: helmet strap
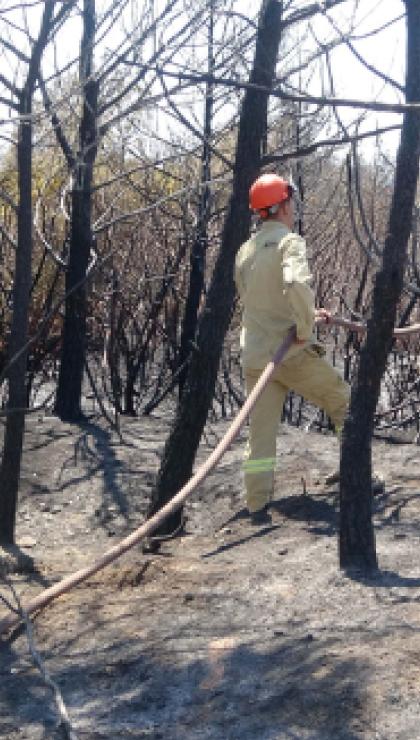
[269,211]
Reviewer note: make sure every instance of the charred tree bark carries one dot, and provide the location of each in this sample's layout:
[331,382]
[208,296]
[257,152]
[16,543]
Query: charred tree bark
[69,389]
[199,248]
[182,444]
[357,540]
[15,425]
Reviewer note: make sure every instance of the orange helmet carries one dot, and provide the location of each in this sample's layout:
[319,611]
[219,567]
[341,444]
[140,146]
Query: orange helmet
[267,191]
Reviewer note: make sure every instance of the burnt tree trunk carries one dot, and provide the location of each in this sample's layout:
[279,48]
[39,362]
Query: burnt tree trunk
[199,248]
[69,389]
[15,425]
[183,441]
[357,540]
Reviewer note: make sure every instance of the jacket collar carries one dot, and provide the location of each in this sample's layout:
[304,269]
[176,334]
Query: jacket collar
[273,226]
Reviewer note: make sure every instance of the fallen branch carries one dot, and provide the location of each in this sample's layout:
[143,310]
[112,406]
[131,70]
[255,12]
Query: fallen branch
[23,616]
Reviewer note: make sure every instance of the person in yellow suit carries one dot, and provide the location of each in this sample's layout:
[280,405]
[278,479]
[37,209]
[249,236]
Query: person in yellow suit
[273,281]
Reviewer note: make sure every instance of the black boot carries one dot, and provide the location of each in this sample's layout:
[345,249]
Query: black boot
[261,517]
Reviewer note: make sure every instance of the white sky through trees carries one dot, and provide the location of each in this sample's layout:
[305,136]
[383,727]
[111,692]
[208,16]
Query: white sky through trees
[359,21]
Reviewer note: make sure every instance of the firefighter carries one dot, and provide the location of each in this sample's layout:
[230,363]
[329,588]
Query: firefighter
[273,281]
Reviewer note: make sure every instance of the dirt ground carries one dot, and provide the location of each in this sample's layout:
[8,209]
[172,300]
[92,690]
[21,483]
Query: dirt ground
[228,633]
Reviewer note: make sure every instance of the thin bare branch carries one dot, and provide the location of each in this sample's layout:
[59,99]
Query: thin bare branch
[375,71]
[356,181]
[378,29]
[199,134]
[145,67]
[156,204]
[57,126]
[9,238]
[39,45]
[311,10]
[48,248]
[31,410]
[371,255]
[333,142]
[10,104]
[137,42]
[7,199]
[10,86]
[19,54]
[282,95]
[19,6]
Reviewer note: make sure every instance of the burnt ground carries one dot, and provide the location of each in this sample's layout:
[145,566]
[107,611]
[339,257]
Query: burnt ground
[228,632]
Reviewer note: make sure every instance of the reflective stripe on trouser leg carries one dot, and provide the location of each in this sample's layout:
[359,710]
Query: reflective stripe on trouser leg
[259,481]
[262,465]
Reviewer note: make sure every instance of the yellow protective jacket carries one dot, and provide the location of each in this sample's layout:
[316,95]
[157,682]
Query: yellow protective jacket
[272,277]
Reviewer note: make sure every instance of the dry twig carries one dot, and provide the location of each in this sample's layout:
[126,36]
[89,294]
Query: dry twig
[63,717]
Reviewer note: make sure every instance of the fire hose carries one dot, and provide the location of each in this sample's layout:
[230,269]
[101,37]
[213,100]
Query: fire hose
[151,525]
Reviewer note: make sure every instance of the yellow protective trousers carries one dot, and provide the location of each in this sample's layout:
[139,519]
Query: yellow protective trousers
[308,374]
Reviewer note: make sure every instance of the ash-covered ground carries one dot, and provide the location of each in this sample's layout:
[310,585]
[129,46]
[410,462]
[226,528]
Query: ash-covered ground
[229,632]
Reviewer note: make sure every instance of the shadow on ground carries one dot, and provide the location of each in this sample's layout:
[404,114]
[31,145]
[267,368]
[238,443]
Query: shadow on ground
[266,688]
[94,452]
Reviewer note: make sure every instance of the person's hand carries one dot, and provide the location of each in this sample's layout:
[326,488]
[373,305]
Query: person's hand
[322,316]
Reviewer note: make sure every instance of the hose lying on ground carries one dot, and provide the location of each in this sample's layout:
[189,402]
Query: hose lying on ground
[150,525]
